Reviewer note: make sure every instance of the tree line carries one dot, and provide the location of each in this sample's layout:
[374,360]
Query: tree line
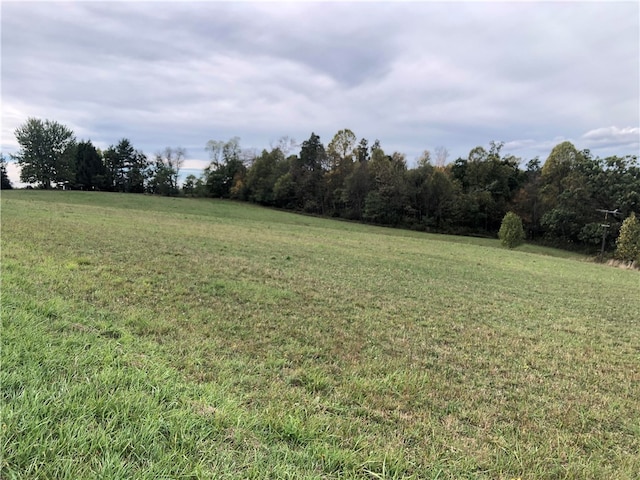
[558,201]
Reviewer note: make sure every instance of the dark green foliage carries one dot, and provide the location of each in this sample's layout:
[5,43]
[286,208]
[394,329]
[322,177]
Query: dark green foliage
[5,182]
[511,233]
[126,168]
[628,243]
[574,185]
[557,200]
[224,177]
[284,192]
[472,195]
[387,199]
[490,182]
[163,178]
[340,152]
[356,189]
[90,170]
[307,174]
[46,153]
[221,180]
[193,186]
[527,201]
[261,178]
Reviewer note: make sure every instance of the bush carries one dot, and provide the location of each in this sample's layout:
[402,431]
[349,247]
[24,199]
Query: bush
[628,242]
[511,233]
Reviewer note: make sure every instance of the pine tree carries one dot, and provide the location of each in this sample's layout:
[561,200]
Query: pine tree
[628,242]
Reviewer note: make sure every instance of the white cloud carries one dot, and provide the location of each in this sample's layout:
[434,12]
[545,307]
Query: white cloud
[623,138]
[191,164]
[13,172]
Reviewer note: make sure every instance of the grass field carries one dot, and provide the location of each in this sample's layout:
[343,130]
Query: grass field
[147,337]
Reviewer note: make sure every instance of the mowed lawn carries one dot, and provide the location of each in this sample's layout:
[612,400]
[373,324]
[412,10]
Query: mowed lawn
[147,337]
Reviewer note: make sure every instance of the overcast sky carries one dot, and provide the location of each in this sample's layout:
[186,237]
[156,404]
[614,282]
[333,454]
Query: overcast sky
[413,75]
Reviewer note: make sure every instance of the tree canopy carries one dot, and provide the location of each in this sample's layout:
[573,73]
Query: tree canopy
[46,154]
[556,200]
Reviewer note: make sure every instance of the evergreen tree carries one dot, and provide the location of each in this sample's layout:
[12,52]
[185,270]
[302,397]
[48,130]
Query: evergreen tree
[307,173]
[89,168]
[126,168]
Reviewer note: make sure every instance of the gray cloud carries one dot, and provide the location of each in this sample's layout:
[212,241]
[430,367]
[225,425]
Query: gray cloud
[414,75]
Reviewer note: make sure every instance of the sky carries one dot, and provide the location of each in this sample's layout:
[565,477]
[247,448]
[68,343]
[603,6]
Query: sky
[414,75]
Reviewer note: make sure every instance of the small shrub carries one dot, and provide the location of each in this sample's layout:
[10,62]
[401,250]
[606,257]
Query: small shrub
[511,232]
[628,242]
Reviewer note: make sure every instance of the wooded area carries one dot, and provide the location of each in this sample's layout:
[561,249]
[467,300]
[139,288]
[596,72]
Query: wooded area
[560,202]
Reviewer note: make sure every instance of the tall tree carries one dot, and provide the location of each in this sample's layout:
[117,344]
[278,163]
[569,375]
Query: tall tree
[46,152]
[224,175]
[362,151]
[341,148]
[307,174]
[115,159]
[560,162]
[89,168]
[568,190]
[137,172]
[174,160]
[386,201]
[340,152]
[126,167]
[263,174]
[488,181]
[527,202]
[161,178]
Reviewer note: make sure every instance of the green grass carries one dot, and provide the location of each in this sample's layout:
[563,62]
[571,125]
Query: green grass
[147,337]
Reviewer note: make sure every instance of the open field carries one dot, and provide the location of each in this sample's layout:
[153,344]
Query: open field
[147,337]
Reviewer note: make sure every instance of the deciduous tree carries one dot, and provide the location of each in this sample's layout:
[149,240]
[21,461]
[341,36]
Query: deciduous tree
[263,174]
[628,243]
[46,152]
[226,167]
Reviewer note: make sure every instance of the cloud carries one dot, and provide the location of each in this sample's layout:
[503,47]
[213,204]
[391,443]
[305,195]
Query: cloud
[195,165]
[13,172]
[413,74]
[622,138]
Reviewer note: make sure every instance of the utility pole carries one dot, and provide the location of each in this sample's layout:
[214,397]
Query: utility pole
[604,228]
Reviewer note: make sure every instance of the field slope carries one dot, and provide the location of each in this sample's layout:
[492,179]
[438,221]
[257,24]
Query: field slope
[147,337]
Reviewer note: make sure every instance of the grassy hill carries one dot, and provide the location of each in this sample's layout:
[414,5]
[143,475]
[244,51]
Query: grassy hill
[147,337]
